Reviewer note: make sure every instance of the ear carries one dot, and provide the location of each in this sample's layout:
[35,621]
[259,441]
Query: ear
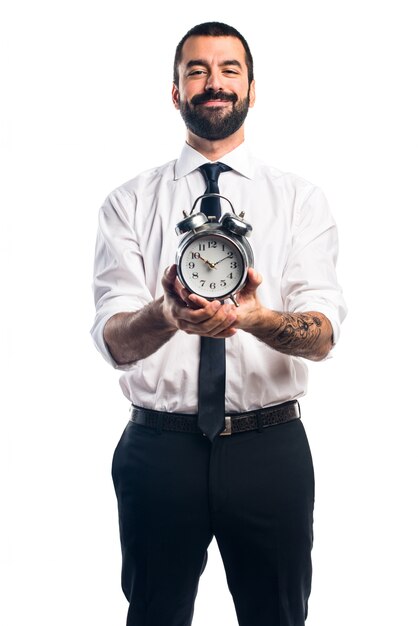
[175,95]
[252,93]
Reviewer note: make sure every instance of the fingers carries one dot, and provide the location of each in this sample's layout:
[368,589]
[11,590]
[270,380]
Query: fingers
[173,286]
[194,314]
[211,320]
[254,280]
[229,332]
[169,278]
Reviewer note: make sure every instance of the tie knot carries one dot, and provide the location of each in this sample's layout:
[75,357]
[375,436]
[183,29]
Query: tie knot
[211,171]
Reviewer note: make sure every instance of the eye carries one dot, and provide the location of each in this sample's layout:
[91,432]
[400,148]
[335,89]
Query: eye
[231,71]
[196,72]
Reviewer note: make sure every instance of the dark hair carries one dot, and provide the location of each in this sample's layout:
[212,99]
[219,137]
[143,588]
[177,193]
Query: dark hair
[213,29]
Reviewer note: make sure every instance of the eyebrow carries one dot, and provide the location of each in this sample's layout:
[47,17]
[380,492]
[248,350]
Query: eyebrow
[194,62]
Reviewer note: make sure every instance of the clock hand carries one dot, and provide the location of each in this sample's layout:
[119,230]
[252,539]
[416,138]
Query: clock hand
[225,257]
[211,265]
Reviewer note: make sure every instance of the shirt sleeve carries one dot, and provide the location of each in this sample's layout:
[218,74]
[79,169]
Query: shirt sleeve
[310,281]
[119,277]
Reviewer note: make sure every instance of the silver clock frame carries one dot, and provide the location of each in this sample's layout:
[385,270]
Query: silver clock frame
[238,241]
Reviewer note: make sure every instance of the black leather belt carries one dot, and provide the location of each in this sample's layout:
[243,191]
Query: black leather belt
[234,422]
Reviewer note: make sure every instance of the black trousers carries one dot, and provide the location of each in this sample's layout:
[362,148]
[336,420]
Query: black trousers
[253,491]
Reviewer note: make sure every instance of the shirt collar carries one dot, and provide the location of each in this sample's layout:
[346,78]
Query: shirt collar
[190,159]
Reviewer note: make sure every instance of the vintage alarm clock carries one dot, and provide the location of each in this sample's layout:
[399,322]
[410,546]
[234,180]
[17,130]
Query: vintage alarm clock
[213,256]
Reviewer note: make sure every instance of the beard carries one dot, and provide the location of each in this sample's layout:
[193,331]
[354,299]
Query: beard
[214,123]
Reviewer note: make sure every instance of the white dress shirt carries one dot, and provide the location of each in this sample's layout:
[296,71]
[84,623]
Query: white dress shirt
[294,240]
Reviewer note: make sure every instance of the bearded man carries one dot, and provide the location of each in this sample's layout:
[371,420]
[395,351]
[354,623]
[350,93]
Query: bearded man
[227,459]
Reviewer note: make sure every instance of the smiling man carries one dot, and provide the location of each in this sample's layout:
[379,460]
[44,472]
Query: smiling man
[215,446]
[214,92]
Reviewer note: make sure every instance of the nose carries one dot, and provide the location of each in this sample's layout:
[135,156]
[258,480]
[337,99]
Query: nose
[214,81]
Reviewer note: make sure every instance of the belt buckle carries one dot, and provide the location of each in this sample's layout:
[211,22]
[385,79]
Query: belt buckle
[228,427]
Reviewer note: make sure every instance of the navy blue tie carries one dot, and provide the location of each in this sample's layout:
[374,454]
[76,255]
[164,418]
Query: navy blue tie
[211,393]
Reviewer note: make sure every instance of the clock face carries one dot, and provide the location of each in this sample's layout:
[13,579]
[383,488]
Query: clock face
[212,266]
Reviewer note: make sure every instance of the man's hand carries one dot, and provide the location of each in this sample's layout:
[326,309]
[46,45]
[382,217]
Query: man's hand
[305,334]
[250,308]
[193,314]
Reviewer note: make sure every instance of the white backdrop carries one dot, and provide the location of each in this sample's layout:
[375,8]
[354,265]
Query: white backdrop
[88,107]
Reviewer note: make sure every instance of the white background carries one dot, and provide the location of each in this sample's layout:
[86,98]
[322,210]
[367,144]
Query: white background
[86,86]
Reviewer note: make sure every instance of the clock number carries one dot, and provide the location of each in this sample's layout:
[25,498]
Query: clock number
[229,254]
[212,285]
[202,283]
[233,265]
[195,275]
[229,275]
[212,244]
[202,247]
[195,255]
[191,265]
[223,283]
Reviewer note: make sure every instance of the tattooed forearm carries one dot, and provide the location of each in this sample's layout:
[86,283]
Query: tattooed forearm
[307,335]
[297,329]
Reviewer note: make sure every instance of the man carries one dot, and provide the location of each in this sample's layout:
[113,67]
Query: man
[251,486]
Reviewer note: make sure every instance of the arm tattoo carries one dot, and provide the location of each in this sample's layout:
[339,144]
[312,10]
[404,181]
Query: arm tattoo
[308,335]
[296,329]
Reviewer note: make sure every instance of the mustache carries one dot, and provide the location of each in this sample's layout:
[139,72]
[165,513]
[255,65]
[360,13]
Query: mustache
[209,95]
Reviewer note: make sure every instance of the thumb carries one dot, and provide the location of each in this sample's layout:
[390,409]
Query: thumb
[254,280]
[169,277]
